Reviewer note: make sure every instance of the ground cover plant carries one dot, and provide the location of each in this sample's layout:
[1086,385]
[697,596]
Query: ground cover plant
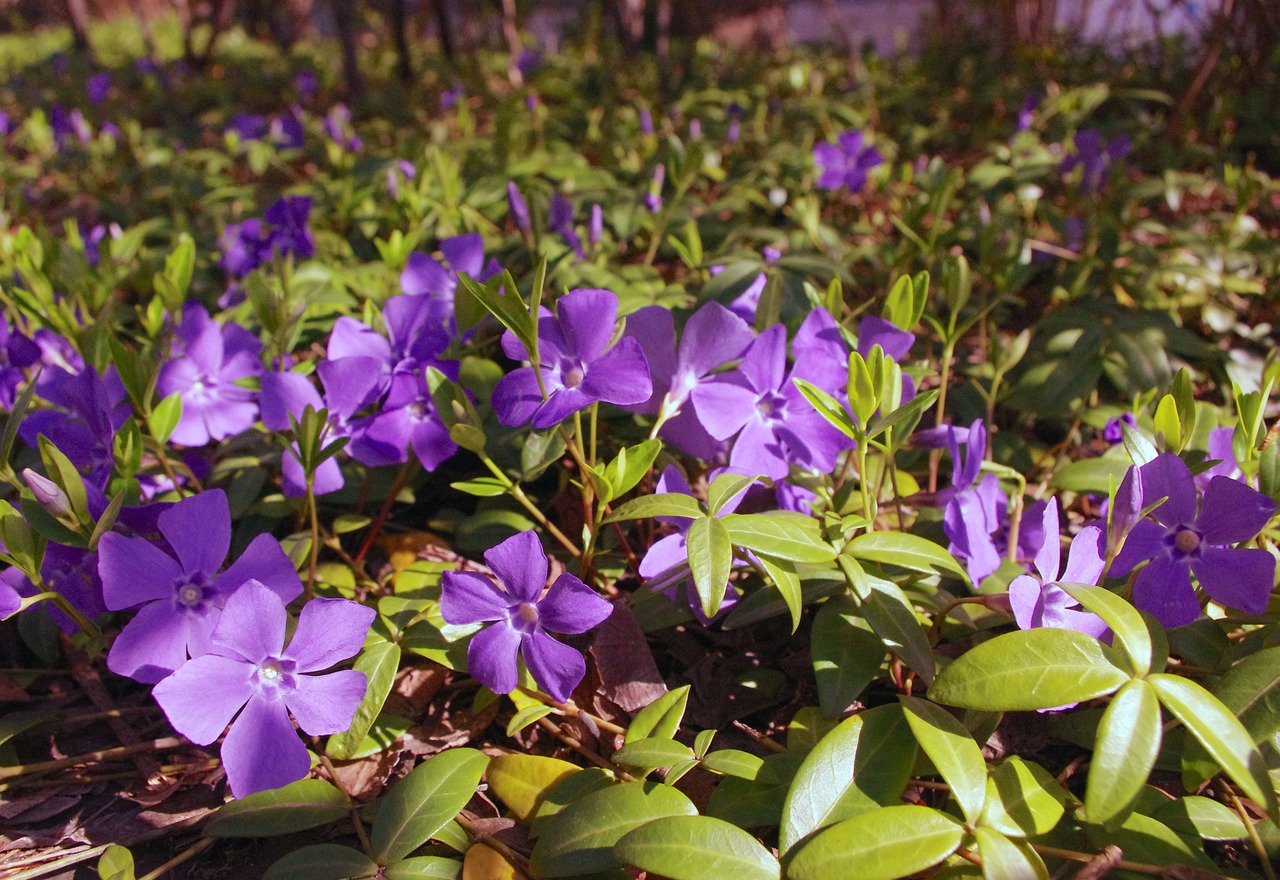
[842,463]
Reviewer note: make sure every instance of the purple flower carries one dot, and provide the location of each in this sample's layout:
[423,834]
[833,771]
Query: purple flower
[181,599]
[249,126]
[10,598]
[595,227]
[576,368]
[1222,450]
[560,218]
[207,362]
[1182,540]
[845,163]
[646,121]
[17,352]
[67,124]
[245,246]
[408,420]
[419,333]
[1094,157]
[287,131]
[522,616]
[653,201]
[425,275]
[306,83]
[1041,602]
[450,97]
[400,168]
[1112,432]
[90,410]
[98,86]
[1027,114]
[288,218]
[518,208]
[337,125]
[249,670]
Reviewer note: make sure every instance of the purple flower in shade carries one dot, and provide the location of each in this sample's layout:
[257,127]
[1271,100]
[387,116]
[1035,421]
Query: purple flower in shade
[748,301]
[1041,602]
[249,126]
[245,246]
[98,86]
[287,131]
[207,361]
[528,61]
[397,169]
[668,559]
[92,240]
[653,201]
[57,351]
[522,616]
[1027,114]
[450,97]
[595,227]
[306,83]
[337,125]
[646,121]
[17,353]
[90,409]
[758,403]
[845,163]
[6,124]
[417,334]
[10,598]
[289,234]
[712,337]
[560,218]
[179,600]
[1094,157]
[408,420]
[577,370]
[424,275]
[248,670]
[518,208]
[1112,432]
[1180,539]
[67,124]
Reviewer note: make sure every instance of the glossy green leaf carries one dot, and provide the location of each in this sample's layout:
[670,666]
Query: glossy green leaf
[323,861]
[781,534]
[1202,817]
[661,718]
[829,407]
[889,612]
[880,844]
[1144,839]
[421,803]
[581,839]
[1250,691]
[787,582]
[696,848]
[526,716]
[379,663]
[165,417]
[1131,634]
[1090,475]
[300,805]
[1220,732]
[864,762]
[629,467]
[520,781]
[424,868]
[905,551]
[710,559]
[116,863]
[733,762]
[1124,752]
[1005,859]
[1023,799]
[667,504]
[846,653]
[1033,669]
[652,752]
[481,487]
[952,749]
[726,488]
[555,798]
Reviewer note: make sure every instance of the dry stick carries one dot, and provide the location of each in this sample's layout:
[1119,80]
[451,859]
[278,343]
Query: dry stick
[516,859]
[576,744]
[1077,856]
[190,852]
[155,745]
[1102,864]
[67,861]
[1259,849]
[352,807]
[402,480]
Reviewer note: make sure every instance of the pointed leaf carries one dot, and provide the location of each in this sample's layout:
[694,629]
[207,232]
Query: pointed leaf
[323,861]
[520,781]
[661,718]
[630,466]
[420,804]
[307,803]
[667,504]
[905,551]
[952,750]
[652,752]
[710,559]
[892,618]
[847,654]
[1132,636]
[1124,752]
[1005,859]
[883,844]
[781,534]
[696,848]
[1023,800]
[784,577]
[379,663]
[427,868]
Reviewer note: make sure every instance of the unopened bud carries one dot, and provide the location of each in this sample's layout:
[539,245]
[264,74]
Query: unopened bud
[48,493]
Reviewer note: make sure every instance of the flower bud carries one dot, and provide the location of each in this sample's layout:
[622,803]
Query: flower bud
[519,208]
[48,493]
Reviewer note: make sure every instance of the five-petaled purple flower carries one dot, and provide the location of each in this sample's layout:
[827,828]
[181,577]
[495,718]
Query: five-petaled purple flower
[1182,540]
[181,599]
[845,163]
[522,616]
[1042,602]
[576,368]
[249,670]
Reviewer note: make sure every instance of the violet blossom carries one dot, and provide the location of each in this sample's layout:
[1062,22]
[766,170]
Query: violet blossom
[518,208]
[1040,601]
[89,410]
[424,275]
[747,302]
[408,420]
[17,353]
[1094,157]
[844,164]
[653,200]
[523,617]
[248,670]
[97,87]
[578,368]
[560,219]
[1193,533]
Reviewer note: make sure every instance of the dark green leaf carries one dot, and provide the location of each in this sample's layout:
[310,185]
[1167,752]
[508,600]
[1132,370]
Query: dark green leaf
[379,663]
[307,803]
[888,611]
[323,861]
[846,654]
[1251,692]
[420,804]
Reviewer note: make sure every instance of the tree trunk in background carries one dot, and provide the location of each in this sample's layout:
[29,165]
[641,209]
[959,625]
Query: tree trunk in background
[344,19]
[78,13]
[398,16]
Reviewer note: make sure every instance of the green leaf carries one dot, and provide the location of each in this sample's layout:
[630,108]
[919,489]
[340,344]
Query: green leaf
[881,844]
[379,663]
[424,868]
[630,466]
[952,750]
[784,577]
[1202,817]
[864,397]
[661,718]
[864,762]
[116,863]
[420,804]
[733,762]
[506,306]
[1005,859]
[905,551]
[1124,752]
[323,861]
[526,716]
[652,752]
[781,534]
[1027,670]
[846,654]
[1220,732]
[520,781]
[1023,800]
[1251,692]
[667,504]
[696,848]
[481,487]
[165,417]
[830,408]
[307,803]
[906,415]
[888,611]
[1168,425]
[1144,839]
[1131,634]
[581,839]
[710,559]
[1090,475]
[727,487]
[559,795]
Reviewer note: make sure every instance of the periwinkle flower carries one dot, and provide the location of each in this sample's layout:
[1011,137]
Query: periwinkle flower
[577,365]
[1188,535]
[844,164]
[249,126]
[306,83]
[1041,602]
[653,200]
[1027,113]
[67,124]
[523,616]
[424,275]
[646,121]
[10,598]
[249,671]
[286,130]
[98,86]
[245,246]
[518,208]
[395,171]
[289,233]
[418,332]
[595,226]
[207,362]
[1094,157]
[337,125]
[180,600]
[408,421]
[1112,432]
[90,409]
[560,219]
[17,353]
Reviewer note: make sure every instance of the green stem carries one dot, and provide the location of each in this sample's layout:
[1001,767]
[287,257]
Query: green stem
[514,490]
[87,626]
[944,379]
[314,554]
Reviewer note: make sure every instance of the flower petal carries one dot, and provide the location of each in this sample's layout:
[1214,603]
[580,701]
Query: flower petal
[587,316]
[1087,556]
[666,553]
[133,571]
[285,394]
[570,606]
[517,397]
[521,565]
[198,529]
[1049,556]
[1027,600]
[1167,475]
[556,667]
[1240,579]
[620,375]
[329,631]
[152,645]
[766,360]
[1145,540]
[470,597]
[713,336]
[262,750]
[491,657]
[723,406]
[252,624]
[325,704]
[1164,589]
[561,403]
[1232,511]
[202,697]
[263,560]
